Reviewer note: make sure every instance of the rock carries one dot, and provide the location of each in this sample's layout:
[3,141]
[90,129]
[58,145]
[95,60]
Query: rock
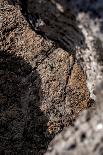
[42,87]
[89,14]
[85,137]
[90,22]
[55,20]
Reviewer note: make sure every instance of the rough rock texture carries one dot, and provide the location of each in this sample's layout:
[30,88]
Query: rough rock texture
[89,14]
[55,20]
[42,87]
[86,136]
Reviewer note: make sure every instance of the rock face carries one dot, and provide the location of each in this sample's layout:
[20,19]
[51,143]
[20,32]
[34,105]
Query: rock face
[89,14]
[42,87]
[55,20]
[85,137]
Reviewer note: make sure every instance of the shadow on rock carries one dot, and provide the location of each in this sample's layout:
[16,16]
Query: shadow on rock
[54,20]
[23,126]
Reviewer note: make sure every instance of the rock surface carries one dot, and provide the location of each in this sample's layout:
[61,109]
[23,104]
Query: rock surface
[86,136]
[56,20]
[42,87]
[89,14]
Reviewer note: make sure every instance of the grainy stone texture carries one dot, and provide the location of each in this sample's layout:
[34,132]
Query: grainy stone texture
[55,21]
[89,14]
[58,22]
[42,87]
[86,135]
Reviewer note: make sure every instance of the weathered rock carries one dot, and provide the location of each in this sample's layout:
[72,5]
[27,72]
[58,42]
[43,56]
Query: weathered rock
[55,20]
[42,87]
[86,136]
[89,14]
[64,90]
[58,22]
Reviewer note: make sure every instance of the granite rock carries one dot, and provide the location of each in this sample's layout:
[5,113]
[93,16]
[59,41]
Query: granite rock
[42,86]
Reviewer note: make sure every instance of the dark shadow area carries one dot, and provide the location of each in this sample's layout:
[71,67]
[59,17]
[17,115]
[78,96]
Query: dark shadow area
[53,19]
[23,127]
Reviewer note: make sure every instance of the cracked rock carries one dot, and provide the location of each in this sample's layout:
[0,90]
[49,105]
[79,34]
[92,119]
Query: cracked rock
[42,87]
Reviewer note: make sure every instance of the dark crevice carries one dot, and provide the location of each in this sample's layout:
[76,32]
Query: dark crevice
[35,17]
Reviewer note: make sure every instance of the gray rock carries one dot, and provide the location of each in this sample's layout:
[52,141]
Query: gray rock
[86,137]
